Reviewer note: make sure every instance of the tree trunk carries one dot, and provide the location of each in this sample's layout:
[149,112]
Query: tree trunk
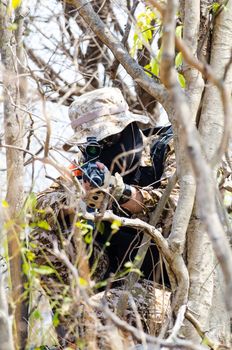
[13,124]
[6,338]
[211,125]
[206,282]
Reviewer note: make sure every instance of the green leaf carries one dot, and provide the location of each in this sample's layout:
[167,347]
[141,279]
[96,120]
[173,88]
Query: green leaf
[30,203]
[100,227]
[30,255]
[179,31]
[178,59]
[115,226]
[135,38]
[43,224]
[40,211]
[36,314]
[88,238]
[32,245]
[25,268]
[155,66]
[101,284]
[43,270]
[215,6]
[84,227]
[136,271]
[129,265]
[5,204]
[181,80]
[55,320]
[144,29]
[16,3]
[148,67]
[159,54]
[138,258]
[205,341]
[147,35]
[8,224]
[139,44]
[82,282]
[12,26]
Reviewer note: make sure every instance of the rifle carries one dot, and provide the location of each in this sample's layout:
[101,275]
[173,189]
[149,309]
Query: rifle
[91,173]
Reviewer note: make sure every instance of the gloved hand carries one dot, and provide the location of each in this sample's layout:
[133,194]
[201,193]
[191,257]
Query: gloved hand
[117,186]
[94,196]
[114,185]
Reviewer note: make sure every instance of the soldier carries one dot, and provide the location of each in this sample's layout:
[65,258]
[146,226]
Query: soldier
[104,114]
[114,176]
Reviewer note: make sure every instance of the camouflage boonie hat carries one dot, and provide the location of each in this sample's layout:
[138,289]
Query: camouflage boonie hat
[101,113]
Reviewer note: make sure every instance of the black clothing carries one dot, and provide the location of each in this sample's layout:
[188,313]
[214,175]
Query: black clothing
[130,140]
[125,243]
[123,248]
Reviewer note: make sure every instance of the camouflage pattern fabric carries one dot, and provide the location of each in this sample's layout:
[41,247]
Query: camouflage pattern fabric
[105,106]
[152,305]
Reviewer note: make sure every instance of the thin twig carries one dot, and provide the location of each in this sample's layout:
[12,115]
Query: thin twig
[199,330]
[48,130]
[16,148]
[115,64]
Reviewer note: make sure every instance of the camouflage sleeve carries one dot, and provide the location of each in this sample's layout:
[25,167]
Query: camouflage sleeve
[150,197]
[60,196]
[49,203]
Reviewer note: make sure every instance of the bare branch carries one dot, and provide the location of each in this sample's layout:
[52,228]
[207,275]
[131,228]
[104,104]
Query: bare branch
[115,64]
[209,74]
[105,35]
[48,130]
[16,148]
[178,324]
[64,172]
[199,330]
[137,223]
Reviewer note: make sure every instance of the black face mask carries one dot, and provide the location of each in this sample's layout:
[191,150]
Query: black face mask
[110,140]
[123,151]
